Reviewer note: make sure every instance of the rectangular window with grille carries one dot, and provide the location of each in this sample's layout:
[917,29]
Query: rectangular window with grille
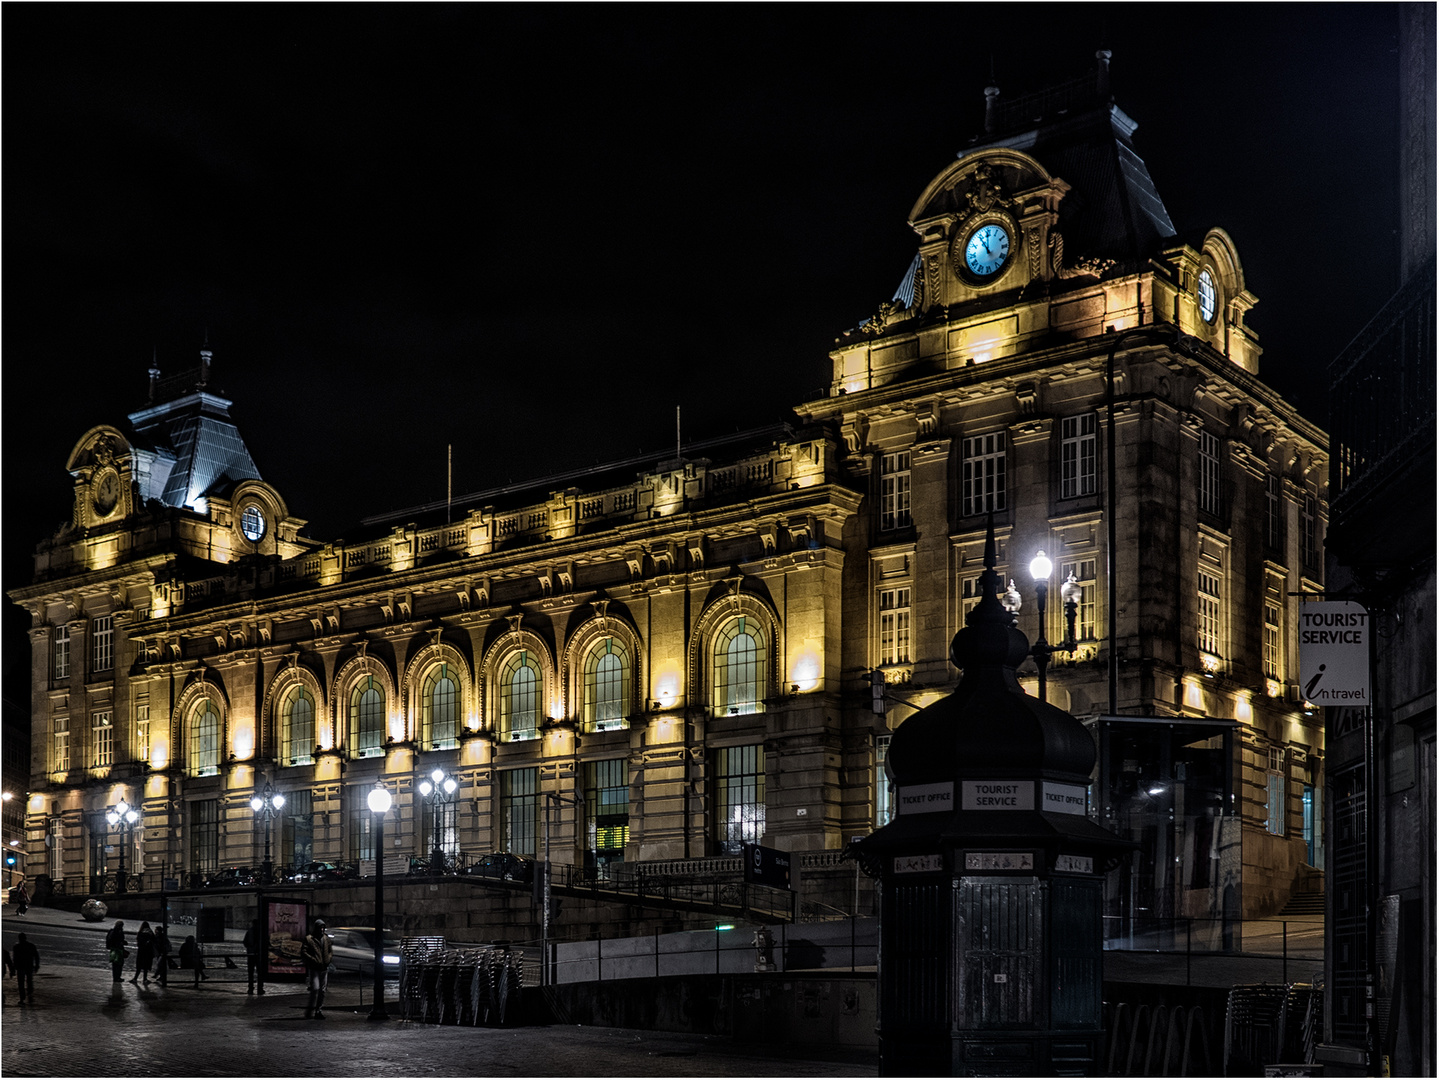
[894,626]
[62,744]
[1209,609]
[519,804]
[62,652]
[983,473]
[361,833]
[1309,532]
[1084,575]
[1271,640]
[204,835]
[607,810]
[142,731]
[894,490]
[55,834]
[883,791]
[739,798]
[102,740]
[1208,473]
[1277,792]
[1078,456]
[1273,510]
[102,638]
[296,822]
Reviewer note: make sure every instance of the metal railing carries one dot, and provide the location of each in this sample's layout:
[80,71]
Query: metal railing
[1298,939]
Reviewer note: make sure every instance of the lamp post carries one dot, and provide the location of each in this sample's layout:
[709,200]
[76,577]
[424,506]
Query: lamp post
[379,800]
[558,799]
[123,815]
[1039,569]
[267,802]
[440,790]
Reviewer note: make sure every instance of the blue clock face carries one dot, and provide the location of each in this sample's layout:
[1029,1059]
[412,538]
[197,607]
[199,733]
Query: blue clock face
[987,250]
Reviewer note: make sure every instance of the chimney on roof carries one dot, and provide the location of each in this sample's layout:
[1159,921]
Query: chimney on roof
[154,373]
[1102,86]
[991,108]
[205,357]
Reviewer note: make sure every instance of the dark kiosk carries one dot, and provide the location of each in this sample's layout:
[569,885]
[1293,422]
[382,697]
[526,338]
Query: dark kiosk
[991,875]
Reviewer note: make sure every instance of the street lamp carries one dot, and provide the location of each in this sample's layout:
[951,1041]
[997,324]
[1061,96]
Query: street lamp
[558,800]
[379,800]
[1039,569]
[267,802]
[440,790]
[125,816]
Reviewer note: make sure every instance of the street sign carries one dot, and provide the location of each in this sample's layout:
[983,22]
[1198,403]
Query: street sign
[766,866]
[1334,653]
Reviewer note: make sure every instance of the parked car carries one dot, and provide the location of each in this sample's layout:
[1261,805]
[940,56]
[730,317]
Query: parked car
[502,864]
[229,877]
[326,871]
[355,950]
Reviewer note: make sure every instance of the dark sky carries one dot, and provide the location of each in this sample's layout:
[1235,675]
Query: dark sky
[532,232]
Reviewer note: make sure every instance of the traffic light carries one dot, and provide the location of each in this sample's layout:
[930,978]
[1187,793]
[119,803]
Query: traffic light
[876,689]
[10,860]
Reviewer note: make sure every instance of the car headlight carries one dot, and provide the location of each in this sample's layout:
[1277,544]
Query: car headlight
[391,959]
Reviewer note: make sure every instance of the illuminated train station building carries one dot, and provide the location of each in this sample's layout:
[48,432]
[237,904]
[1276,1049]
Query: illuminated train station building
[679,650]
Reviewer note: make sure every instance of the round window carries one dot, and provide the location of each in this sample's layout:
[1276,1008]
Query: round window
[252,523]
[1208,298]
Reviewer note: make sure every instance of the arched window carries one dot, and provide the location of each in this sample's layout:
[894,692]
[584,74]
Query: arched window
[739,668]
[367,718]
[607,678]
[205,740]
[440,708]
[520,698]
[297,720]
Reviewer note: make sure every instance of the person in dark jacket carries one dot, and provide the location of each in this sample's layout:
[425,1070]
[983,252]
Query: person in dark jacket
[144,952]
[22,899]
[115,942]
[162,955]
[316,954]
[190,958]
[27,962]
[253,939]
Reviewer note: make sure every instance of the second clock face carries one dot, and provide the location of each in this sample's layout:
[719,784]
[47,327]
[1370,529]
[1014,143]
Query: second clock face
[107,493]
[987,250]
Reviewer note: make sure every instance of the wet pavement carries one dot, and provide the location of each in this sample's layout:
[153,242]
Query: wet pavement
[83,1024]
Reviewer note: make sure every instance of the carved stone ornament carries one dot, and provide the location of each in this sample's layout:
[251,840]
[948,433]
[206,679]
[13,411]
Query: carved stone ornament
[880,318]
[1084,268]
[985,190]
[104,450]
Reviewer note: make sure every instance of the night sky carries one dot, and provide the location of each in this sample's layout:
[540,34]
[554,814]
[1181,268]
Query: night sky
[532,232]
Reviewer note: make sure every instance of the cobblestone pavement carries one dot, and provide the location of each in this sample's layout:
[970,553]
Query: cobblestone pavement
[82,1024]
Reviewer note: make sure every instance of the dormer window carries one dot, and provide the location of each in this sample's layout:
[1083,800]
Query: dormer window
[1208,298]
[252,523]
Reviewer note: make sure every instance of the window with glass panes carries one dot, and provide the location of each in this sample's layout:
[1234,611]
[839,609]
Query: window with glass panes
[894,490]
[894,626]
[883,790]
[142,731]
[739,668]
[440,709]
[1309,532]
[606,690]
[102,641]
[205,740]
[983,473]
[1078,456]
[1209,606]
[1084,576]
[297,721]
[520,698]
[204,835]
[1276,791]
[102,740]
[62,652]
[1208,473]
[360,836]
[367,718]
[439,822]
[55,834]
[61,754]
[1271,640]
[739,798]
[297,828]
[607,809]
[519,806]
[1273,510]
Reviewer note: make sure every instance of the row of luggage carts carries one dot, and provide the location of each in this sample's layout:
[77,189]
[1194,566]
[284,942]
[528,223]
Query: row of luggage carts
[472,987]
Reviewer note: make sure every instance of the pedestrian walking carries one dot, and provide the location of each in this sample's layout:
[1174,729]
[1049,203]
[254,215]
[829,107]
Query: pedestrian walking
[22,899]
[9,971]
[190,958]
[253,938]
[144,952]
[162,955]
[27,961]
[115,942]
[316,953]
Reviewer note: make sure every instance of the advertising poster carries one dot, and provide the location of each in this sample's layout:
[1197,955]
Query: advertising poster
[285,923]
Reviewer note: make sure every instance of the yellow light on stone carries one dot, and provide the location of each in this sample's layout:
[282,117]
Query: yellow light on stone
[805,672]
[1243,711]
[159,754]
[244,743]
[37,804]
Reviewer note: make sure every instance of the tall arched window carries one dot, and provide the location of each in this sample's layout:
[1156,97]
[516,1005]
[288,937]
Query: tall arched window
[739,668]
[205,740]
[607,677]
[367,718]
[297,718]
[440,709]
[520,698]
